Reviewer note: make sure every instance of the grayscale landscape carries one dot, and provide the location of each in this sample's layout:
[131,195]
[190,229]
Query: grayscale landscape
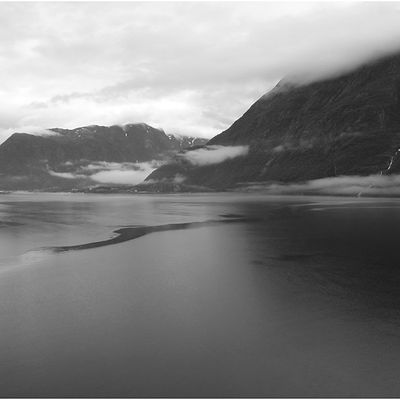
[199,200]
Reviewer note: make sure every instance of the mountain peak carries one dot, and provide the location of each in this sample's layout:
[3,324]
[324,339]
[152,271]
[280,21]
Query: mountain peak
[344,125]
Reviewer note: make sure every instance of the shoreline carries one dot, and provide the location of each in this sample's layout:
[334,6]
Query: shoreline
[267,193]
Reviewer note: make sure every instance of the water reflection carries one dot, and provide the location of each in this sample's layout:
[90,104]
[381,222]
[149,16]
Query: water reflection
[298,297]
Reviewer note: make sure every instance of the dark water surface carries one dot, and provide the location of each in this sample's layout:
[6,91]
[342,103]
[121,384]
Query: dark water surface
[216,295]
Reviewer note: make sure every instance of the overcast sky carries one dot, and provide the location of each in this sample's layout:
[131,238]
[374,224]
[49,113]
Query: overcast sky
[190,68]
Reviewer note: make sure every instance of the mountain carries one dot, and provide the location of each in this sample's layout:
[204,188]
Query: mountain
[50,161]
[346,125]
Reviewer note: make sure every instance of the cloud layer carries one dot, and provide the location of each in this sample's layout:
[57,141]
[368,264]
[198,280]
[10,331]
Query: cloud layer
[373,185]
[109,172]
[175,65]
[213,154]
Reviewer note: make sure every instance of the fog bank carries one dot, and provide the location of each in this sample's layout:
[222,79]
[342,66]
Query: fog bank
[213,154]
[373,185]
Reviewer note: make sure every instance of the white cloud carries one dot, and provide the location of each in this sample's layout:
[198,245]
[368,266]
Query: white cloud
[66,175]
[372,185]
[40,131]
[123,174]
[214,154]
[175,65]
[122,177]
[109,172]
[111,166]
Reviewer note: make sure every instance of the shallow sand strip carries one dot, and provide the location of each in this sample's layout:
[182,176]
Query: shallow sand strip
[130,233]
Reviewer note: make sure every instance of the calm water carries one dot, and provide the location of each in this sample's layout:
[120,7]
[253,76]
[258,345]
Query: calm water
[298,297]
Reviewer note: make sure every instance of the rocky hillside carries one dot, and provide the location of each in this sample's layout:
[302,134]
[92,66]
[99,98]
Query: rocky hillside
[26,159]
[347,125]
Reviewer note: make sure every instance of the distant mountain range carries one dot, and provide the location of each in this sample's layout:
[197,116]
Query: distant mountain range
[346,125]
[51,161]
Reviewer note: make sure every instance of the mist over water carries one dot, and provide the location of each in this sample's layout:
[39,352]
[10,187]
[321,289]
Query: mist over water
[298,297]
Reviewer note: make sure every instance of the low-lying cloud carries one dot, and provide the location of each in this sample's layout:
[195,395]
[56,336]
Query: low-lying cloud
[108,172]
[40,131]
[302,144]
[66,175]
[123,176]
[372,185]
[213,154]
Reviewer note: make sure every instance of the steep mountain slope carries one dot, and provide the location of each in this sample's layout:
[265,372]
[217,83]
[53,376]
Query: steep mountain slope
[347,125]
[26,159]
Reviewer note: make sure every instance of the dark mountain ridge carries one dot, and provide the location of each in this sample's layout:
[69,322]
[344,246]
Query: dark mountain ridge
[25,159]
[346,125]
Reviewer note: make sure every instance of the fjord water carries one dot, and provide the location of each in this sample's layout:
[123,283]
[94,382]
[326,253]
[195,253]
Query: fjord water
[297,296]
